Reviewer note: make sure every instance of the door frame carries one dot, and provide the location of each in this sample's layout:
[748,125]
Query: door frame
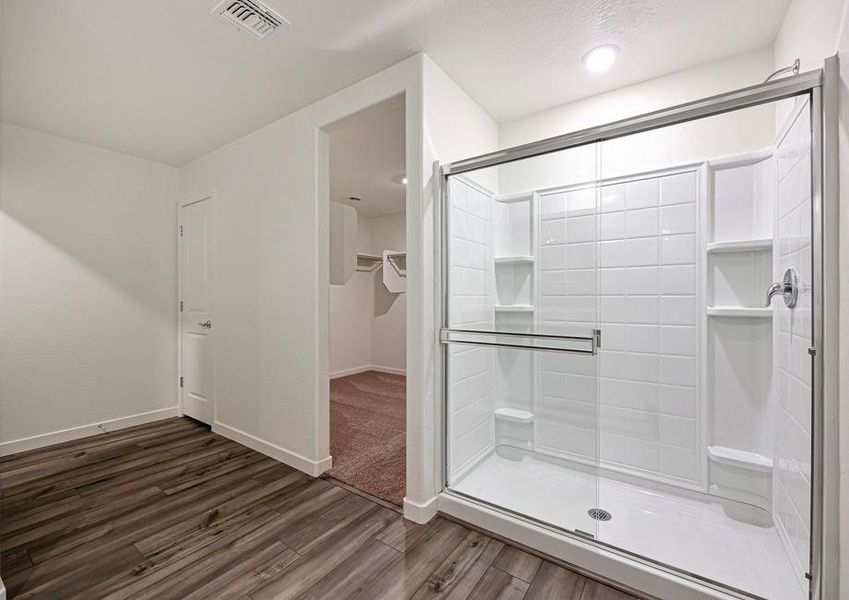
[179,236]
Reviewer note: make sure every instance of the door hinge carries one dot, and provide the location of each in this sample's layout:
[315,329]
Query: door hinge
[181,306]
[812,351]
[181,381]
[181,230]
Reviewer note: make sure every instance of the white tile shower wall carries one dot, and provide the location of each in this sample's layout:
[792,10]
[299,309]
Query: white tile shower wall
[792,484]
[623,255]
[472,298]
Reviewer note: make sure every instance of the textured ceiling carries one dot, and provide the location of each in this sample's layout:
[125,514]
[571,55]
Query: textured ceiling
[167,81]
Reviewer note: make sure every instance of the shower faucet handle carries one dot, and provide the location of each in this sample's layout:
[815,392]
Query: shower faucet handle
[788,288]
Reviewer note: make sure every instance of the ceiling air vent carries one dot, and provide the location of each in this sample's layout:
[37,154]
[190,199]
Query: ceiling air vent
[255,18]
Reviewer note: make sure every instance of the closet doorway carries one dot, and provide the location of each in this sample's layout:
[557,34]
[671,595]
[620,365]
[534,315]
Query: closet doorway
[367,321]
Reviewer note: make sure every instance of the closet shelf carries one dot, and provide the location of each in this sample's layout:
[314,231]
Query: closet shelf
[740,246]
[739,311]
[514,260]
[514,308]
[368,262]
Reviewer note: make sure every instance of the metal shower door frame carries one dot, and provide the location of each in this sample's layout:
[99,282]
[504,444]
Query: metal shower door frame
[820,85]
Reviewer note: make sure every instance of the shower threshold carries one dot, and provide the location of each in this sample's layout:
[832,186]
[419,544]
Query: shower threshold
[688,531]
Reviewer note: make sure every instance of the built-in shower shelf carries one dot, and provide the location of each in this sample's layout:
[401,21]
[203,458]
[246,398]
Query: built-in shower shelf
[514,308]
[514,260]
[514,414]
[740,458]
[740,246]
[739,311]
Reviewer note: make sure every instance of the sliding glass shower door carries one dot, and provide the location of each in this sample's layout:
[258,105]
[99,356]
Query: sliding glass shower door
[633,353]
[522,339]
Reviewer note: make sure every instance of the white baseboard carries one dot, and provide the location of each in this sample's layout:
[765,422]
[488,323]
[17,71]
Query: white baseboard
[390,370]
[75,433]
[313,468]
[418,512]
[364,368]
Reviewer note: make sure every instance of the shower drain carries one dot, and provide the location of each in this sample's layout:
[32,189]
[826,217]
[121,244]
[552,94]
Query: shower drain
[599,514]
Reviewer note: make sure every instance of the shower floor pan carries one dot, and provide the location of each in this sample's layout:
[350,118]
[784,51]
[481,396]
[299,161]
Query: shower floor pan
[688,531]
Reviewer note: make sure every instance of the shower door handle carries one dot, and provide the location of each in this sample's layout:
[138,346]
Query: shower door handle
[788,288]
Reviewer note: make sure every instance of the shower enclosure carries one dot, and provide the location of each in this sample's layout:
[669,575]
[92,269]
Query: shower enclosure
[630,321]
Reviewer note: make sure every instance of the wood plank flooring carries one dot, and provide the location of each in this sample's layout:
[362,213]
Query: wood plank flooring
[171,510]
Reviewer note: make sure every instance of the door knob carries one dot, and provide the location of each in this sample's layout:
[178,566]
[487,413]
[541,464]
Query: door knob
[205,324]
[788,288]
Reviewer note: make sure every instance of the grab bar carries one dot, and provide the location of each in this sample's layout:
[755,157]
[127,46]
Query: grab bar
[545,342]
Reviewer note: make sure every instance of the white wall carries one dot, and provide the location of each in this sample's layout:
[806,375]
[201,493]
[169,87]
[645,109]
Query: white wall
[368,324]
[88,289]
[454,127]
[725,135]
[389,311]
[270,276]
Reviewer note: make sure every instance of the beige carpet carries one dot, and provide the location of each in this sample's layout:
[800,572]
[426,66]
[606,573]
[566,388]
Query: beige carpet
[367,433]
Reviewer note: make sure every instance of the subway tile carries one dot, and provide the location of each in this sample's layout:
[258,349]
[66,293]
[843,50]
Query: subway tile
[641,367]
[678,249]
[581,202]
[680,218]
[579,281]
[643,193]
[679,462]
[580,229]
[642,338]
[553,257]
[641,309]
[612,198]
[580,256]
[641,252]
[642,280]
[611,308]
[678,279]
[612,336]
[612,226]
[611,281]
[678,431]
[678,189]
[553,232]
[678,310]
[678,340]
[552,206]
[611,254]
[678,370]
[641,223]
[678,400]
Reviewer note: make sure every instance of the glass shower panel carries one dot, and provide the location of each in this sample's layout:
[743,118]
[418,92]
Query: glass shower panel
[704,388]
[521,363]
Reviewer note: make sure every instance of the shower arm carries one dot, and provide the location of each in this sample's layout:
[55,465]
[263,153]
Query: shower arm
[794,68]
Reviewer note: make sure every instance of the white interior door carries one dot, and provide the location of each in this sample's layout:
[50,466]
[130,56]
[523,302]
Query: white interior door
[197,321]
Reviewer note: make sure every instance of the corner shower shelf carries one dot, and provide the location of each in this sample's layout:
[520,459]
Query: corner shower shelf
[514,414]
[739,458]
[739,311]
[514,260]
[514,308]
[740,246]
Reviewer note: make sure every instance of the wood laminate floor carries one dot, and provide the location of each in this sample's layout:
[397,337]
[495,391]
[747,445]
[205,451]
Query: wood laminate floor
[171,510]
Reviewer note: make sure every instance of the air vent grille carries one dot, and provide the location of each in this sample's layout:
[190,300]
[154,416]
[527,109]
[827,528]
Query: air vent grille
[253,17]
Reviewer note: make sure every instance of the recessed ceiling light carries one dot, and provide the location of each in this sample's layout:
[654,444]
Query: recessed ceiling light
[600,59]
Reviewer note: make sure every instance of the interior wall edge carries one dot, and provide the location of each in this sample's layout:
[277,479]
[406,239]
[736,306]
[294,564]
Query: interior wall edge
[74,433]
[313,468]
